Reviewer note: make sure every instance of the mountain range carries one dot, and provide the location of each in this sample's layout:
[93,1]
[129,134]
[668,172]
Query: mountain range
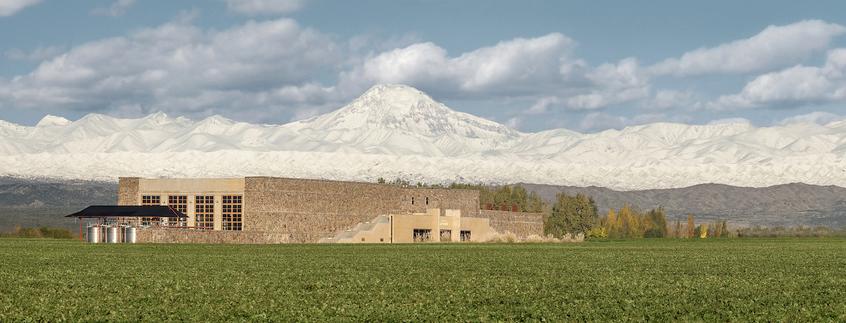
[395,131]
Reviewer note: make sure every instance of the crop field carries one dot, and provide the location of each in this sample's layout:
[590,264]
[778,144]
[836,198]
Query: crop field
[658,280]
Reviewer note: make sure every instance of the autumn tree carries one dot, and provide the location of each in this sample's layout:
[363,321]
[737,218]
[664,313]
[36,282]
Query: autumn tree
[691,226]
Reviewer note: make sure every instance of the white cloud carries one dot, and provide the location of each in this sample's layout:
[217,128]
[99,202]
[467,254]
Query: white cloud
[668,99]
[543,69]
[515,67]
[39,54]
[613,84]
[793,87]
[11,7]
[774,47]
[818,117]
[264,7]
[254,69]
[117,8]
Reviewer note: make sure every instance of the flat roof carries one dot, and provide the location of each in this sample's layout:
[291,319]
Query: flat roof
[127,211]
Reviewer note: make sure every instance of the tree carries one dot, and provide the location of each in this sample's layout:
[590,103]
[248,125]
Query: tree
[691,226]
[677,231]
[611,224]
[657,227]
[724,229]
[631,223]
[571,214]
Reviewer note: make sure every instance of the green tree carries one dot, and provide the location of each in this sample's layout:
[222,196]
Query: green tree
[657,227]
[571,214]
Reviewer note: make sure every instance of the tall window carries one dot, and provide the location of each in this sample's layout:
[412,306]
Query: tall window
[232,212]
[465,235]
[148,200]
[422,235]
[179,203]
[204,211]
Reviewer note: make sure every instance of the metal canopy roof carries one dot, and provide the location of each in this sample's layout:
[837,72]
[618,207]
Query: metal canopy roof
[127,211]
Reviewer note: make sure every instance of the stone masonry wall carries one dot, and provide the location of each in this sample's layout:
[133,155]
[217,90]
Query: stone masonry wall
[519,223]
[169,235]
[128,191]
[309,210]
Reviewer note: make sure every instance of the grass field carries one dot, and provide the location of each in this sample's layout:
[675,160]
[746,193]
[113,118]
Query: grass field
[659,280]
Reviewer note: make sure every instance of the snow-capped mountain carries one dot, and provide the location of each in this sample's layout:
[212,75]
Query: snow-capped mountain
[397,131]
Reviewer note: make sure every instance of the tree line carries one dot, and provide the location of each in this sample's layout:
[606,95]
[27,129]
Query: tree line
[578,214]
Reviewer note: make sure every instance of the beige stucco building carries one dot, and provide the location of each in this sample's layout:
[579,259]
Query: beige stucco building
[282,210]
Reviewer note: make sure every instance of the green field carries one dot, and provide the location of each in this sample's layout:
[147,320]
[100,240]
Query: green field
[658,280]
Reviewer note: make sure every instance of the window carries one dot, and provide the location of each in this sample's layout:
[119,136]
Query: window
[446,235]
[179,203]
[465,235]
[204,211]
[422,235]
[427,200]
[412,200]
[148,200]
[232,212]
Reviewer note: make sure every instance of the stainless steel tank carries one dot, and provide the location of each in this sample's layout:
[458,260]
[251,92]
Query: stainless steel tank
[94,234]
[129,234]
[112,234]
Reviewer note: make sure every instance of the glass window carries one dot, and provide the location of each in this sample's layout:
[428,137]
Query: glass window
[204,211]
[150,200]
[179,203]
[422,235]
[465,235]
[232,215]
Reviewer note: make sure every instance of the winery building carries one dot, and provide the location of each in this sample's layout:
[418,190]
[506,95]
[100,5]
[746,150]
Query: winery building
[284,210]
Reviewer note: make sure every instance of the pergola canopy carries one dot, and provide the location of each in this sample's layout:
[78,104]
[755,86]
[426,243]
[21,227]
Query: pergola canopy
[127,211]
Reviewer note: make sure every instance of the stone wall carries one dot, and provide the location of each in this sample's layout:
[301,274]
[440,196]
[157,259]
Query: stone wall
[170,235]
[128,191]
[309,210]
[519,223]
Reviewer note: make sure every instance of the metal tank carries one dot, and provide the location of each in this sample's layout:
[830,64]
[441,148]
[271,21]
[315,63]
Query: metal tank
[112,234]
[94,234]
[129,234]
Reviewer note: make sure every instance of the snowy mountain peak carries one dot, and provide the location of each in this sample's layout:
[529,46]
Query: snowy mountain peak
[398,131]
[51,120]
[401,108]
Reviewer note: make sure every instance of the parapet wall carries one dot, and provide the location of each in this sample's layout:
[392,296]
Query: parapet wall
[309,210]
[169,235]
[520,223]
[128,190]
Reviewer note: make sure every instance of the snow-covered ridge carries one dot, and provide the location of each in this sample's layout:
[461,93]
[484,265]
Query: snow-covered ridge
[396,130]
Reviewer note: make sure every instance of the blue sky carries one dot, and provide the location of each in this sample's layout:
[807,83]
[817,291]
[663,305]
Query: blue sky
[535,65]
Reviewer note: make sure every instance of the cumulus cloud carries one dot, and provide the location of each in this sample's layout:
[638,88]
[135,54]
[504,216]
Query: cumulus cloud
[251,68]
[612,84]
[818,117]
[38,54]
[668,99]
[11,7]
[543,68]
[793,87]
[264,7]
[514,67]
[774,47]
[117,8]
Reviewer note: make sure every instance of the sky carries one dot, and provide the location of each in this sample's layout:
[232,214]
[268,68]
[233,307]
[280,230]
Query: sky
[533,65]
